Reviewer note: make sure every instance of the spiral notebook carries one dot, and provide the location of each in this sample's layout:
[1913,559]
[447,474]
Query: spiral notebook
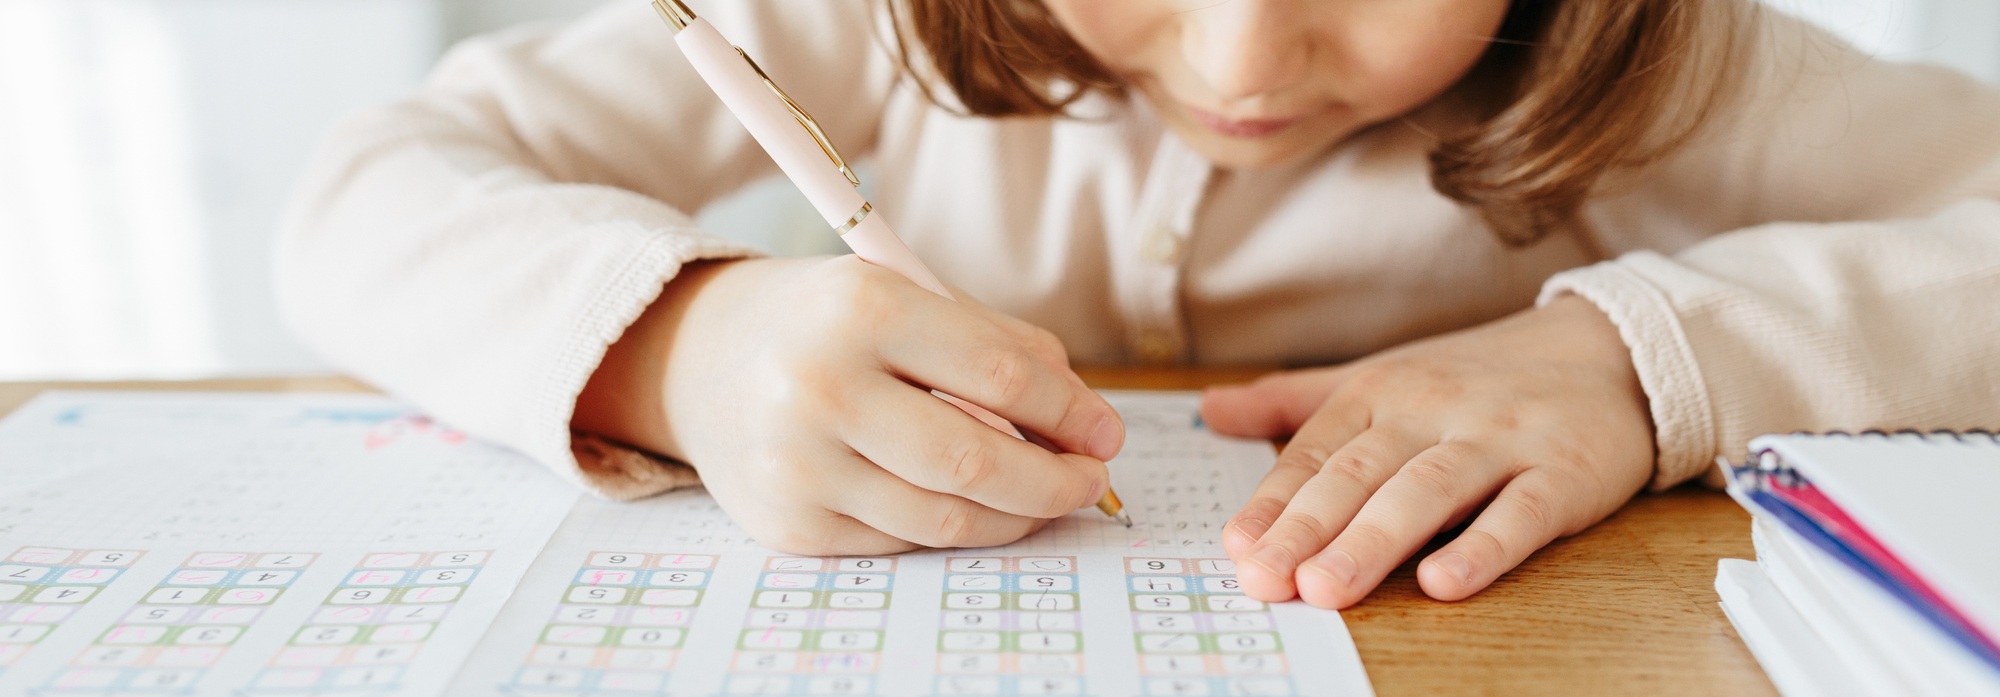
[1882,548]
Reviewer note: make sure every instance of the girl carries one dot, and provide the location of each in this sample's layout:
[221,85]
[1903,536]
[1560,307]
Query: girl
[1548,253]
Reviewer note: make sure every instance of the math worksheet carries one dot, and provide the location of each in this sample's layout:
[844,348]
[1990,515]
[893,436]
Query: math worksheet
[215,544]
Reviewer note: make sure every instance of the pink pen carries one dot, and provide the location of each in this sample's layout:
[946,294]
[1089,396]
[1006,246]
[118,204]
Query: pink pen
[802,151]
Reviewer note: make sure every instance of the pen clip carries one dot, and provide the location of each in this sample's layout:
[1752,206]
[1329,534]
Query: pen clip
[804,119]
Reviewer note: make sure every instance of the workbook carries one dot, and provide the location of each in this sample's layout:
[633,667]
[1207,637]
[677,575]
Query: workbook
[1875,571]
[230,544]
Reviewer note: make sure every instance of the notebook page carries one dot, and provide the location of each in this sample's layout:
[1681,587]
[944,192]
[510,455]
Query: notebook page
[214,544]
[667,596]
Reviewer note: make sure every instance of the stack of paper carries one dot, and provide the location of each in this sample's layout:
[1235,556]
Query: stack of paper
[1877,568]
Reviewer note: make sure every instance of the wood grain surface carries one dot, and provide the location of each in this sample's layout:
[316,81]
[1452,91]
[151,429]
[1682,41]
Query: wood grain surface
[1626,607]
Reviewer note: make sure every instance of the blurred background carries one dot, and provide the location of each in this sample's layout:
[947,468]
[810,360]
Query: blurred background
[147,148]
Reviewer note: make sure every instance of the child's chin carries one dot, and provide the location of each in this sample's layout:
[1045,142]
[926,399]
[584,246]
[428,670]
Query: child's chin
[1276,150]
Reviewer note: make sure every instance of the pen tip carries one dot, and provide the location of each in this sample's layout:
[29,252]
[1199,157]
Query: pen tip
[1123,518]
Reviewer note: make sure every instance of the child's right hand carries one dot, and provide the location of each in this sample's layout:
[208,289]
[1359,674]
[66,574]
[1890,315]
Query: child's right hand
[800,390]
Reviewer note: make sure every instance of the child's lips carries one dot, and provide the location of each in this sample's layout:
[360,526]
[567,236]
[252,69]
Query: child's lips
[1241,128]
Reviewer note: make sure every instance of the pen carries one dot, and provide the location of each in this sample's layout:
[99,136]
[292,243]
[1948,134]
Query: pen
[802,151]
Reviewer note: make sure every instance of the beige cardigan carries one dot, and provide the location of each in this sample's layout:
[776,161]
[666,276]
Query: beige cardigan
[474,247]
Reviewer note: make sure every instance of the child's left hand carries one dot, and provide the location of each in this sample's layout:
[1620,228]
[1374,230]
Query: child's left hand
[1538,419]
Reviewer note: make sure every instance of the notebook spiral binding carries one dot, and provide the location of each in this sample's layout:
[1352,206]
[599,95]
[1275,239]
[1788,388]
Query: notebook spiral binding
[1976,434]
[1766,468]
[1769,462]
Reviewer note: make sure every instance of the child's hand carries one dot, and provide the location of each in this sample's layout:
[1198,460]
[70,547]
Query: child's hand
[1537,418]
[800,389]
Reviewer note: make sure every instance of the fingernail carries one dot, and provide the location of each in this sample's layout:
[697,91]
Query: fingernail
[1097,492]
[1455,564]
[1275,560]
[1336,565]
[1105,439]
[1252,528]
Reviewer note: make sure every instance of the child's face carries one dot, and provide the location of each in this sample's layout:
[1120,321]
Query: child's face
[1253,83]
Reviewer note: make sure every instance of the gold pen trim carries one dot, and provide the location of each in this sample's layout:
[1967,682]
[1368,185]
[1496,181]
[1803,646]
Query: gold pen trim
[804,119]
[675,13]
[856,219]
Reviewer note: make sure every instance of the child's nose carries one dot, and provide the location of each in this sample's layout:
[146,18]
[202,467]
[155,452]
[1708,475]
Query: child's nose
[1246,48]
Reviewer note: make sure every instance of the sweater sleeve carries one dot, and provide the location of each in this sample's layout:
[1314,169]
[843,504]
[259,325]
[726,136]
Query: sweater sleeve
[475,247]
[1855,282]
[1787,327]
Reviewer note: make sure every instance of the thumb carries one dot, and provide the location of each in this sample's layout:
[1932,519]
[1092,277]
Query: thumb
[1272,406]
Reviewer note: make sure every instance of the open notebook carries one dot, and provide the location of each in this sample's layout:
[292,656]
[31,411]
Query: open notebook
[340,544]
[1878,565]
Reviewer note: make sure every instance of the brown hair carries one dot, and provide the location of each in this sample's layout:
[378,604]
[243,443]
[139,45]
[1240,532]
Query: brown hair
[1582,88]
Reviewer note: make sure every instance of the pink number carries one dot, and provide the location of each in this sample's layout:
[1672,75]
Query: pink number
[39,555]
[231,615]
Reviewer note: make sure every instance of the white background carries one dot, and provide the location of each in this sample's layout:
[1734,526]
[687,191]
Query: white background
[147,147]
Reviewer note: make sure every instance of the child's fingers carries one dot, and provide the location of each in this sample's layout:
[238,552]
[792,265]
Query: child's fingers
[907,512]
[1042,342]
[1523,518]
[1274,405]
[1300,460]
[967,357]
[1411,507]
[922,439]
[1322,508]
[836,534]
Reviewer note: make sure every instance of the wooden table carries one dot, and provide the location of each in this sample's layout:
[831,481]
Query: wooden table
[1627,607]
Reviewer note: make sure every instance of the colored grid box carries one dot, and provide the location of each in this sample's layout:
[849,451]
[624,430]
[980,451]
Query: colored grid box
[185,624]
[42,586]
[799,685]
[1197,634]
[815,627]
[373,623]
[620,625]
[1010,626]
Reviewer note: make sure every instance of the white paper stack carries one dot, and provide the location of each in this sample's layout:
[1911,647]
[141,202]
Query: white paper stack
[1878,563]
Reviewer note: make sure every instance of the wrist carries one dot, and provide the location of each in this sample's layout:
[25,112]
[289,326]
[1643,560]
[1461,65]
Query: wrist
[625,399]
[1590,337]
